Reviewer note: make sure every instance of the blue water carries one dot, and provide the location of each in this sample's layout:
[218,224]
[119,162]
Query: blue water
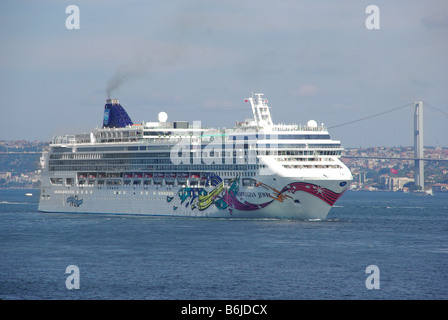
[129,257]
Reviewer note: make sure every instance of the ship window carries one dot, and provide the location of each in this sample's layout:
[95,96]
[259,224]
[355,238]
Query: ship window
[293,136]
[248,182]
[56,181]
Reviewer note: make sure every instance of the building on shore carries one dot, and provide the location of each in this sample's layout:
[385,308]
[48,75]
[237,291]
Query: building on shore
[397,183]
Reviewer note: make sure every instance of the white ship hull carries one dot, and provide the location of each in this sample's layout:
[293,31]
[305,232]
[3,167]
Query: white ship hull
[283,198]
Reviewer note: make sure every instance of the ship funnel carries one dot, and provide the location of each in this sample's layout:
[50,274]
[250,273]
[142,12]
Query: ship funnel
[114,115]
[112,101]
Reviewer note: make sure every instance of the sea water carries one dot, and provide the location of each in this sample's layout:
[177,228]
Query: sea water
[403,236]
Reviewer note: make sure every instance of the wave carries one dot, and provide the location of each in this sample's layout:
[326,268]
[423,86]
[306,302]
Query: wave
[398,207]
[12,202]
[441,250]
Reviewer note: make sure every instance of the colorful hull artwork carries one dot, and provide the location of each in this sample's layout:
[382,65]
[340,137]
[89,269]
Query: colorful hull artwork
[227,198]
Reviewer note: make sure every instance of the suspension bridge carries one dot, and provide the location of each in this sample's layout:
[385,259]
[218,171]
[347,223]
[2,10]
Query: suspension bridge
[419,159]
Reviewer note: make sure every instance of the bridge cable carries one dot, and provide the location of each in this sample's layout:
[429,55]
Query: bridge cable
[372,116]
[432,108]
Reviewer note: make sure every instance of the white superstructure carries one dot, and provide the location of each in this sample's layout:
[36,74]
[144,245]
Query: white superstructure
[257,169]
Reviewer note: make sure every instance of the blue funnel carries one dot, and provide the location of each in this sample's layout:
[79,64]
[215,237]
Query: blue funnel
[114,115]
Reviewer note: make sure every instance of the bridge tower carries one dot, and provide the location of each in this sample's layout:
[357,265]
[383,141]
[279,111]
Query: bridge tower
[419,175]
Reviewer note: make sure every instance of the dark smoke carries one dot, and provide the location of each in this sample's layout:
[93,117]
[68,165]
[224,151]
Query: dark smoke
[149,58]
[123,75]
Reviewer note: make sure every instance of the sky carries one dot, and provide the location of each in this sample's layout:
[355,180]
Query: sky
[198,60]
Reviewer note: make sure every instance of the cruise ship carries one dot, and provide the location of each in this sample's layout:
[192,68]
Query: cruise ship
[257,169]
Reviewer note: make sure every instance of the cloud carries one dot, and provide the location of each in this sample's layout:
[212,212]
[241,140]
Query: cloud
[436,20]
[306,90]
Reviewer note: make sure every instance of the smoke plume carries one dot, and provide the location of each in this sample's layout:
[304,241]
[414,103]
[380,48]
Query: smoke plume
[122,75]
[147,59]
